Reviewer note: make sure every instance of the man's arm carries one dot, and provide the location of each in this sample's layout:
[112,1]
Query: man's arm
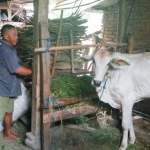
[23,70]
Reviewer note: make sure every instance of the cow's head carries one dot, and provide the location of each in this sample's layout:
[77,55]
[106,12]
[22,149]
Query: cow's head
[102,60]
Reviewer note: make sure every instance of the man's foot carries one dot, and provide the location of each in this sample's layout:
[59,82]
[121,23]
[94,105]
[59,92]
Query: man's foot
[12,136]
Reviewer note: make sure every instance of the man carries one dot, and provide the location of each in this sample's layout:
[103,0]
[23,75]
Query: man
[10,67]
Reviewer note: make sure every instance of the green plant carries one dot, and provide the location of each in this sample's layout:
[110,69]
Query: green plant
[67,85]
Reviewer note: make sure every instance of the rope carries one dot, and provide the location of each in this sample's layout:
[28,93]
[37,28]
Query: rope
[51,99]
[48,44]
[46,103]
[53,130]
[54,102]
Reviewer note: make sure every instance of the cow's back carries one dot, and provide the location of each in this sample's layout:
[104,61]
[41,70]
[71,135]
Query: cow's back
[135,76]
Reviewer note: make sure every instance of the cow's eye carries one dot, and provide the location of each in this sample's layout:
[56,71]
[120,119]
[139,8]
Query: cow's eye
[93,61]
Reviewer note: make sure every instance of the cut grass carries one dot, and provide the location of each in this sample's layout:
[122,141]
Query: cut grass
[67,85]
[101,139]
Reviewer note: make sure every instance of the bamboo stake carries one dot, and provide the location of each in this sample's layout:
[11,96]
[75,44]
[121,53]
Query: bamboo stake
[58,36]
[131,44]
[78,46]
[72,52]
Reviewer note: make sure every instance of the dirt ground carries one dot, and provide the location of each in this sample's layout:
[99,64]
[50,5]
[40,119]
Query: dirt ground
[142,131]
[143,134]
[20,129]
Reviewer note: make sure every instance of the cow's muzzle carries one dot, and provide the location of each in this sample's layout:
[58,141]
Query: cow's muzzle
[97,83]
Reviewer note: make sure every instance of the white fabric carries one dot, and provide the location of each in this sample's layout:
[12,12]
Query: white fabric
[21,105]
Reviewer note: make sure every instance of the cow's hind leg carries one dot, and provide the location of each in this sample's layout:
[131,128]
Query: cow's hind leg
[126,122]
[132,133]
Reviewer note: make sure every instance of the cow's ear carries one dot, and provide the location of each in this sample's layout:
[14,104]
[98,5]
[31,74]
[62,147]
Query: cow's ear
[119,62]
[84,58]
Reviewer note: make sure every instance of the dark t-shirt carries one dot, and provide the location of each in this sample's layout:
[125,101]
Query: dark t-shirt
[9,63]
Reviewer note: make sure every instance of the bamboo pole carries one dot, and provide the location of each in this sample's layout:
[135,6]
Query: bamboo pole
[78,46]
[72,52]
[58,36]
[131,44]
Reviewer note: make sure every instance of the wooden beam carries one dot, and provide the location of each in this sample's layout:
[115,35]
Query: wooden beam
[36,99]
[121,21]
[41,79]
[45,69]
[71,100]
[69,113]
[0,15]
[78,46]
[45,87]
[2,6]
[15,14]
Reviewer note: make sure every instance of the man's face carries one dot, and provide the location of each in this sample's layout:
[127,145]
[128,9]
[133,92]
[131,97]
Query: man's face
[11,37]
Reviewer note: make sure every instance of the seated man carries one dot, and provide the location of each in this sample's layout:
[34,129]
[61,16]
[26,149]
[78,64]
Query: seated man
[10,86]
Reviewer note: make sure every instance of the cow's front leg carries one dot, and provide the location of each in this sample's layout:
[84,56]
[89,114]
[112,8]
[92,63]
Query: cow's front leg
[132,133]
[126,122]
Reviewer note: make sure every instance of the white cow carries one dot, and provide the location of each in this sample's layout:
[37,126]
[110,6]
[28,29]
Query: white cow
[127,78]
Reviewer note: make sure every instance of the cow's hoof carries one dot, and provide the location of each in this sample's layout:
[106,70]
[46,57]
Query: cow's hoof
[122,148]
[131,142]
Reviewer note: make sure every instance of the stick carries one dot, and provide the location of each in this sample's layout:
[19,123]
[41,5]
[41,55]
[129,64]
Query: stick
[42,49]
[72,52]
[58,35]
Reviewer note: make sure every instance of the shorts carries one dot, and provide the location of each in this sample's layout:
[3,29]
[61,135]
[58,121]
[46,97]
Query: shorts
[6,105]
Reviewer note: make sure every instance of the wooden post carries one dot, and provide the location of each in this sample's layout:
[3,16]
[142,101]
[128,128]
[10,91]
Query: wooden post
[45,85]
[130,44]
[39,137]
[9,10]
[57,43]
[72,52]
[120,39]
[0,15]
[33,139]
[121,22]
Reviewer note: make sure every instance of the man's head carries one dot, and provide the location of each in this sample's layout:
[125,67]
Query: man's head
[9,33]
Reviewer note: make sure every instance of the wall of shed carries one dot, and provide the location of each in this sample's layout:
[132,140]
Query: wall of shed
[138,24]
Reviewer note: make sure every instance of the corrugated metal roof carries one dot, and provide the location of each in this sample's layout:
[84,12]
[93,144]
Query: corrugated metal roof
[97,4]
[106,3]
[101,6]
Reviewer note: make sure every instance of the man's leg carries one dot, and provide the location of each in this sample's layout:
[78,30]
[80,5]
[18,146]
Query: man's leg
[7,123]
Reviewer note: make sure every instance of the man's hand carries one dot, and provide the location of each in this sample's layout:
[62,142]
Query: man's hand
[23,70]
